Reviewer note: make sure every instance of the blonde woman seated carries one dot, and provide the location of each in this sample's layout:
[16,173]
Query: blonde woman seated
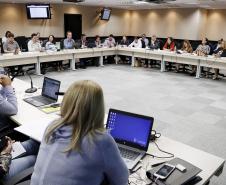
[76,150]
[186,48]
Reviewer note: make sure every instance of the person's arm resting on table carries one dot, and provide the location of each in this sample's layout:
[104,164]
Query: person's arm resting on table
[8,101]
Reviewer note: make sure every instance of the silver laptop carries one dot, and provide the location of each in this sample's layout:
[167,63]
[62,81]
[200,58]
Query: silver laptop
[132,133]
[49,89]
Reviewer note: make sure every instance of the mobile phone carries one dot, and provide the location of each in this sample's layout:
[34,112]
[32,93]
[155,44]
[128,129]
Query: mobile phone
[164,171]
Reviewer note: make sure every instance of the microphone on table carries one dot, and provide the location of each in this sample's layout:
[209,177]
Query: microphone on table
[59,93]
[32,89]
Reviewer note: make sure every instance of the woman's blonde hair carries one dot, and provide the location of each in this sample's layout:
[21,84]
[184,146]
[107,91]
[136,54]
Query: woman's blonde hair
[82,108]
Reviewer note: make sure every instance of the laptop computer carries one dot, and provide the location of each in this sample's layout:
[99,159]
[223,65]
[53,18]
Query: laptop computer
[48,96]
[132,134]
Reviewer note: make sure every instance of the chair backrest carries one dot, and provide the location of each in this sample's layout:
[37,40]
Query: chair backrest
[44,43]
[62,44]
[22,41]
[1,46]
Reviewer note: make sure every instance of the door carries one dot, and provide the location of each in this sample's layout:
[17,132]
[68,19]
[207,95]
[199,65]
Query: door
[73,23]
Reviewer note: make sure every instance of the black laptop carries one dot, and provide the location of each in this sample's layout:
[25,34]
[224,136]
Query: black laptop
[48,96]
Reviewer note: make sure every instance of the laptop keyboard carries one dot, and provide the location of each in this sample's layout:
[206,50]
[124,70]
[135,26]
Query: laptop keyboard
[128,154]
[43,99]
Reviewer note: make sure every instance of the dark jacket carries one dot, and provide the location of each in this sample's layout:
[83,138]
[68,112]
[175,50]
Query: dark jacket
[123,42]
[155,45]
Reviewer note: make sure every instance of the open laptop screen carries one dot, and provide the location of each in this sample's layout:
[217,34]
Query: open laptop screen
[130,129]
[50,87]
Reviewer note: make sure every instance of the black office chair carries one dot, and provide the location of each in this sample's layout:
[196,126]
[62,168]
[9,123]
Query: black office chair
[22,41]
[1,46]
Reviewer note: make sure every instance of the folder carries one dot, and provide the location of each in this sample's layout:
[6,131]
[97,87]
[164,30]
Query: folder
[176,177]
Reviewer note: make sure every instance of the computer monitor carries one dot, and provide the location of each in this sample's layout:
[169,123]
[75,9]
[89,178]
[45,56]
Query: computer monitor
[50,87]
[38,11]
[130,129]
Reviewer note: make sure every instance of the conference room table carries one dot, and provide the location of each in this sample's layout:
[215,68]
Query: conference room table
[33,122]
[172,56]
[37,58]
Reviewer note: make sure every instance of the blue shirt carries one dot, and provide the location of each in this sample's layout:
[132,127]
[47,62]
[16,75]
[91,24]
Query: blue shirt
[69,44]
[8,105]
[8,101]
[88,167]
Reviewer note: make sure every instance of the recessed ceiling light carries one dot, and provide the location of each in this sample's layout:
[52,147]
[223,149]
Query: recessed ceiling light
[140,2]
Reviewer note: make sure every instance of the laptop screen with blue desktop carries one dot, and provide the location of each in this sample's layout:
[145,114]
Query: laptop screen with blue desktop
[130,129]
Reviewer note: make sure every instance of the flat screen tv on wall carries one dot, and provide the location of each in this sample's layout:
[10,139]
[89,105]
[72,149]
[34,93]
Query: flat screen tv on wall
[38,11]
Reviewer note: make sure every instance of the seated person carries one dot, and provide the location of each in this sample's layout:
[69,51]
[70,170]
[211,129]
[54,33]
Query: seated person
[8,107]
[98,42]
[69,42]
[10,167]
[203,49]
[154,44]
[169,45]
[136,43]
[79,141]
[34,44]
[38,38]
[219,48]
[51,46]
[124,41]
[215,47]
[8,103]
[82,43]
[110,42]
[218,52]
[144,41]
[11,46]
[5,38]
[186,48]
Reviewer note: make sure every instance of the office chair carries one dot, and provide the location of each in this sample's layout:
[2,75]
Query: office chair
[22,41]
[1,46]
